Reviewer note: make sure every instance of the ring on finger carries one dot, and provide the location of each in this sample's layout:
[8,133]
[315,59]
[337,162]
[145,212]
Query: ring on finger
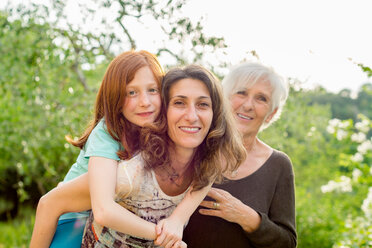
[216,205]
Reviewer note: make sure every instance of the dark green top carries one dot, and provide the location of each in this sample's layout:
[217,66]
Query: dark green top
[269,191]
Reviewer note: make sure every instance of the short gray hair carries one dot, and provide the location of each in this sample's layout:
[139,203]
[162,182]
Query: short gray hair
[248,74]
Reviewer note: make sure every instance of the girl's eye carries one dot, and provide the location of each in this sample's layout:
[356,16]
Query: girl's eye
[153,90]
[131,93]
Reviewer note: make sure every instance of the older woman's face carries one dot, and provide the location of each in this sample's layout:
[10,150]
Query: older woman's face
[251,107]
[189,113]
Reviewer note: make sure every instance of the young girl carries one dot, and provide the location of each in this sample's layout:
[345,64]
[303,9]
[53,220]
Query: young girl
[119,112]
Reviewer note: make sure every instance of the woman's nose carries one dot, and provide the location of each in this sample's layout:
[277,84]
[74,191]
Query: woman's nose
[191,114]
[248,104]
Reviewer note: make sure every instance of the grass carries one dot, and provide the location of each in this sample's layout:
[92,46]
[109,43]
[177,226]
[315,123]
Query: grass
[17,232]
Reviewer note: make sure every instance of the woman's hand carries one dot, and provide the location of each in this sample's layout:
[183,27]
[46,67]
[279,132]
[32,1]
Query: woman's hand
[231,209]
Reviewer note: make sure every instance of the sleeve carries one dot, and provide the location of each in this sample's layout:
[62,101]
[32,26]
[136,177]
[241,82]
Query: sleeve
[101,144]
[278,227]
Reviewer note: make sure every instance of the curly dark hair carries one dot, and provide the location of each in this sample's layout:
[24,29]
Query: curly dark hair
[221,150]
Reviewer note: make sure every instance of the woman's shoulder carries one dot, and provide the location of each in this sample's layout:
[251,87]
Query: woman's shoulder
[130,175]
[282,161]
[134,163]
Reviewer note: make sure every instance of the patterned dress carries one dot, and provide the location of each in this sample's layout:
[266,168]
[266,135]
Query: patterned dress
[138,191]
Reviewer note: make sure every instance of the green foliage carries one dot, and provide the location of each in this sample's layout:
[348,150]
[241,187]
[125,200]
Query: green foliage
[43,101]
[17,233]
[355,160]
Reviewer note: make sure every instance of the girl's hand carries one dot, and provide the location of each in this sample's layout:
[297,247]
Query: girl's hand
[169,233]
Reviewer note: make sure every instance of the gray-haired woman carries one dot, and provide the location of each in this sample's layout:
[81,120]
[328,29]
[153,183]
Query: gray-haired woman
[255,207]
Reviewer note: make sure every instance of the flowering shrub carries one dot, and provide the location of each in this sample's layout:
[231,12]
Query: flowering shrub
[355,160]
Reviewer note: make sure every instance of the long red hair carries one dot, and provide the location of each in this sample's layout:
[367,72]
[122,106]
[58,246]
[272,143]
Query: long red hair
[111,96]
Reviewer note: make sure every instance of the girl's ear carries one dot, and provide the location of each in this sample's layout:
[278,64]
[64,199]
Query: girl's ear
[270,116]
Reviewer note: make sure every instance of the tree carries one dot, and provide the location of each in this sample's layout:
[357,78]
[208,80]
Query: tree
[51,69]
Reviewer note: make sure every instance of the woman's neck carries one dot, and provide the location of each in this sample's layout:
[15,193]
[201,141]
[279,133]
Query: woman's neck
[250,142]
[180,159]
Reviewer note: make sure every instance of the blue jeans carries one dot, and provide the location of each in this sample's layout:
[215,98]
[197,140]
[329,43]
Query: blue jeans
[69,233]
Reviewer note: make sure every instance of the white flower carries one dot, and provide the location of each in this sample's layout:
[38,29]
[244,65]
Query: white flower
[362,126]
[342,185]
[367,204]
[364,147]
[356,174]
[330,129]
[344,124]
[357,157]
[334,122]
[358,137]
[341,134]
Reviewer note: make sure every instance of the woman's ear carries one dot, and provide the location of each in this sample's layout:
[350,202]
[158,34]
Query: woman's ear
[270,116]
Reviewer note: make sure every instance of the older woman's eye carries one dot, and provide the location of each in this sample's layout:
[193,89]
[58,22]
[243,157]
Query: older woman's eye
[241,92]
[262,98]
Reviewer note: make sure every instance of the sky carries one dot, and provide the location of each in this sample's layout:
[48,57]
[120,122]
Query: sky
[318,42]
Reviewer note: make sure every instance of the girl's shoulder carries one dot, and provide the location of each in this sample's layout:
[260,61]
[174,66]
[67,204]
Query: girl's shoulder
[101,143]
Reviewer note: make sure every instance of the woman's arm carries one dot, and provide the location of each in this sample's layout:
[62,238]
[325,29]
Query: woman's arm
[72,196]
[102,183]
[171,228]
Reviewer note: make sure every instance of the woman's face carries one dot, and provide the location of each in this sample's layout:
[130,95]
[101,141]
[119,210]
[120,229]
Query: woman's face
[251,107]
[142,101]
[189,114]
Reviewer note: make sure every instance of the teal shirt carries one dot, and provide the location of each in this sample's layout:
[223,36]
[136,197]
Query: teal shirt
[99,144]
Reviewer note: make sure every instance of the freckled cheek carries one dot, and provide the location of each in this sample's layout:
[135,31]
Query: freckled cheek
[156,101]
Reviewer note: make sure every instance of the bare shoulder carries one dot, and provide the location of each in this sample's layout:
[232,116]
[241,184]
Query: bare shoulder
[130,174]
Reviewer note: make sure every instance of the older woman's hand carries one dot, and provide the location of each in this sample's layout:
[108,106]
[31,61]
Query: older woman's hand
[231,209]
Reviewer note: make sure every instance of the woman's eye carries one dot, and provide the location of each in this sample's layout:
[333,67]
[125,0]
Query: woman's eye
[241,92]
[178,103]
[204,104]
[262,98]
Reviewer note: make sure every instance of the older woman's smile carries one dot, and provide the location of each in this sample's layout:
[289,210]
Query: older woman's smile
[244,117]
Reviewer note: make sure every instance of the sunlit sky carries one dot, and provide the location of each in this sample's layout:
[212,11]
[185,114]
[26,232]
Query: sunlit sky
[309,40]
[317,41]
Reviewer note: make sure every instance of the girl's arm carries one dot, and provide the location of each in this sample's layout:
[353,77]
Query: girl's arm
[171,228]
[72,196]
[102,183]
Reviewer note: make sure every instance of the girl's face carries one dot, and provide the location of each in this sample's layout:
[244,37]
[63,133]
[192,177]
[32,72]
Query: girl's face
[251,107]
[142,101]
[189,114]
